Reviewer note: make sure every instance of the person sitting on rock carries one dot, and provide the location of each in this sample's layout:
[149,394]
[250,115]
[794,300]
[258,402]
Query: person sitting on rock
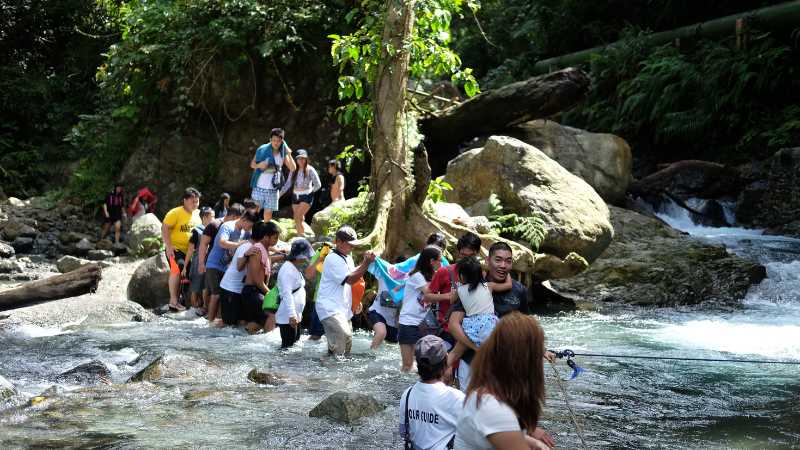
[429,409]
[176,231]
[113,213]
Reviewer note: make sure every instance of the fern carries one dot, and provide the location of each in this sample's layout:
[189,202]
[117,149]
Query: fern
[529,229]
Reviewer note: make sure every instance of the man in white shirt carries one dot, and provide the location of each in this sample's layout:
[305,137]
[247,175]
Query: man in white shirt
[334,298]
[429,409]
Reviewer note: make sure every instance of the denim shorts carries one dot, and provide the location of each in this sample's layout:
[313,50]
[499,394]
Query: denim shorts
[303,198]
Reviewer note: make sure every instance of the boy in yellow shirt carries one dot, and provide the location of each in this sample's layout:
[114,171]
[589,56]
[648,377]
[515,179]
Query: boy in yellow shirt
[176,232]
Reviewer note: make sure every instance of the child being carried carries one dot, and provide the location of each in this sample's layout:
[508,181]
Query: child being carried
[475,295]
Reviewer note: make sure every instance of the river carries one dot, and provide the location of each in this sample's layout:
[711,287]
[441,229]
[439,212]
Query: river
[204,400]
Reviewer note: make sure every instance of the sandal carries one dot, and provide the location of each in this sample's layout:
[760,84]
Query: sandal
[177,308]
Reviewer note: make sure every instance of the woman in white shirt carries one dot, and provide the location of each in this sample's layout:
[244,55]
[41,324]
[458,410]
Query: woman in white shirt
[506,390]
[303,183]
[414,310]
[291,287]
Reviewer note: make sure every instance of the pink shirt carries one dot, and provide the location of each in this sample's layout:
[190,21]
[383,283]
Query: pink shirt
[264,258]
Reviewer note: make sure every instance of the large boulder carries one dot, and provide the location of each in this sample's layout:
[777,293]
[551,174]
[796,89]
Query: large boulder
[687,179]
[528,182]
[14,229]
[144,227]
[650,263]
[347,407]
[150,372]
[602,160]
[23,245]
[772,199]
[149,285]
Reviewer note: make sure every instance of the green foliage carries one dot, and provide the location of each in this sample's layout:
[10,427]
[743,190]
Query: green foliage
[149,247]
[437,188]
[358,54]
[188,64]
[48,56]
[651,96]
[507,37]
[528,229]
[356,214]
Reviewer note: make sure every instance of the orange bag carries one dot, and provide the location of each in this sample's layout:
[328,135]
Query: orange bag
[357,290]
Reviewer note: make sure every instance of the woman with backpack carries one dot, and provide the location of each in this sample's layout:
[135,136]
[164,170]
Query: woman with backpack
[267,178]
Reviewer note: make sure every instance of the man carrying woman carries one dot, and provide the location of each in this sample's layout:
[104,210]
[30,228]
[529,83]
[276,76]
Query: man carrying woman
[303,184]
[267,178]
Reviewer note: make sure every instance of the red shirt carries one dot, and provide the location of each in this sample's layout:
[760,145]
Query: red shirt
[441,284]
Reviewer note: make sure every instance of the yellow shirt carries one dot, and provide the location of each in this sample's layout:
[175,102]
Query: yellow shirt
[181,222]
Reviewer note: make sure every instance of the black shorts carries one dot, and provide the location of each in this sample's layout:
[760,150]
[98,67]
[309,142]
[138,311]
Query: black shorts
[230,304]
[113,218]
[303,198]
[408,334]
[252,299]
[213,278]
[391,332]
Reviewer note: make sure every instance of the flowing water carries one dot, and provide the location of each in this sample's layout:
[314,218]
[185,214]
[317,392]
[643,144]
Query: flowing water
[203,399]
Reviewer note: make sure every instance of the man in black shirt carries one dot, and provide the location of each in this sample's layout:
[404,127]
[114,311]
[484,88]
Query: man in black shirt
[113,212]
[516,299]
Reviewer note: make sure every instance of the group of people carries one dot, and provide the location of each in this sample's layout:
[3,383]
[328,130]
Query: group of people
[453,321]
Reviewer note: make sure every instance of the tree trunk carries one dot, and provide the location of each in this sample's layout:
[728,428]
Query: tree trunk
[391,179]
[401,223]
[498,109]
[71,284]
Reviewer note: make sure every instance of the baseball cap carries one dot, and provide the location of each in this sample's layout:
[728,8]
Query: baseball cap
[301,249]
[302,153]
[430,350]
[346,234]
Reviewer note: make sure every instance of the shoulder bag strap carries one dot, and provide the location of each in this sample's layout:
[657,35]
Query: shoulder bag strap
[407,431]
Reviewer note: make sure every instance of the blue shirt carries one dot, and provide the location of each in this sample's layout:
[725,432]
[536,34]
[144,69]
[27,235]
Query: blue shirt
[220,257]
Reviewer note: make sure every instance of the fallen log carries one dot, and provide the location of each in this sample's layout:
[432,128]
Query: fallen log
[71,284]
[498,109]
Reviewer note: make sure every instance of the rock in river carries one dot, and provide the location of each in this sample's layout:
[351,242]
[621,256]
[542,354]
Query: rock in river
[151,371]
[650,263]
[7,389]
[264,378]
[149,284]
[87,373]
[23,245]
[10,266]
[6,251]
[69,263]
[347,407]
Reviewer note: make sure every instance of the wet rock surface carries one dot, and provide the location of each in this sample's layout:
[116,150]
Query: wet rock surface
[650,263]
[347,407]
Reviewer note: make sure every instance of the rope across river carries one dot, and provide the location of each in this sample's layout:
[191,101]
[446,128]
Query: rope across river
[570,354]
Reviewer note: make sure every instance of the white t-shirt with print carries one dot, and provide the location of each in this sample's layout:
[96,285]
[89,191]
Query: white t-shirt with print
[476,423]
[433,411]
[233,280]
[334,294]
[390,314]
[412,313]
[290,279]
